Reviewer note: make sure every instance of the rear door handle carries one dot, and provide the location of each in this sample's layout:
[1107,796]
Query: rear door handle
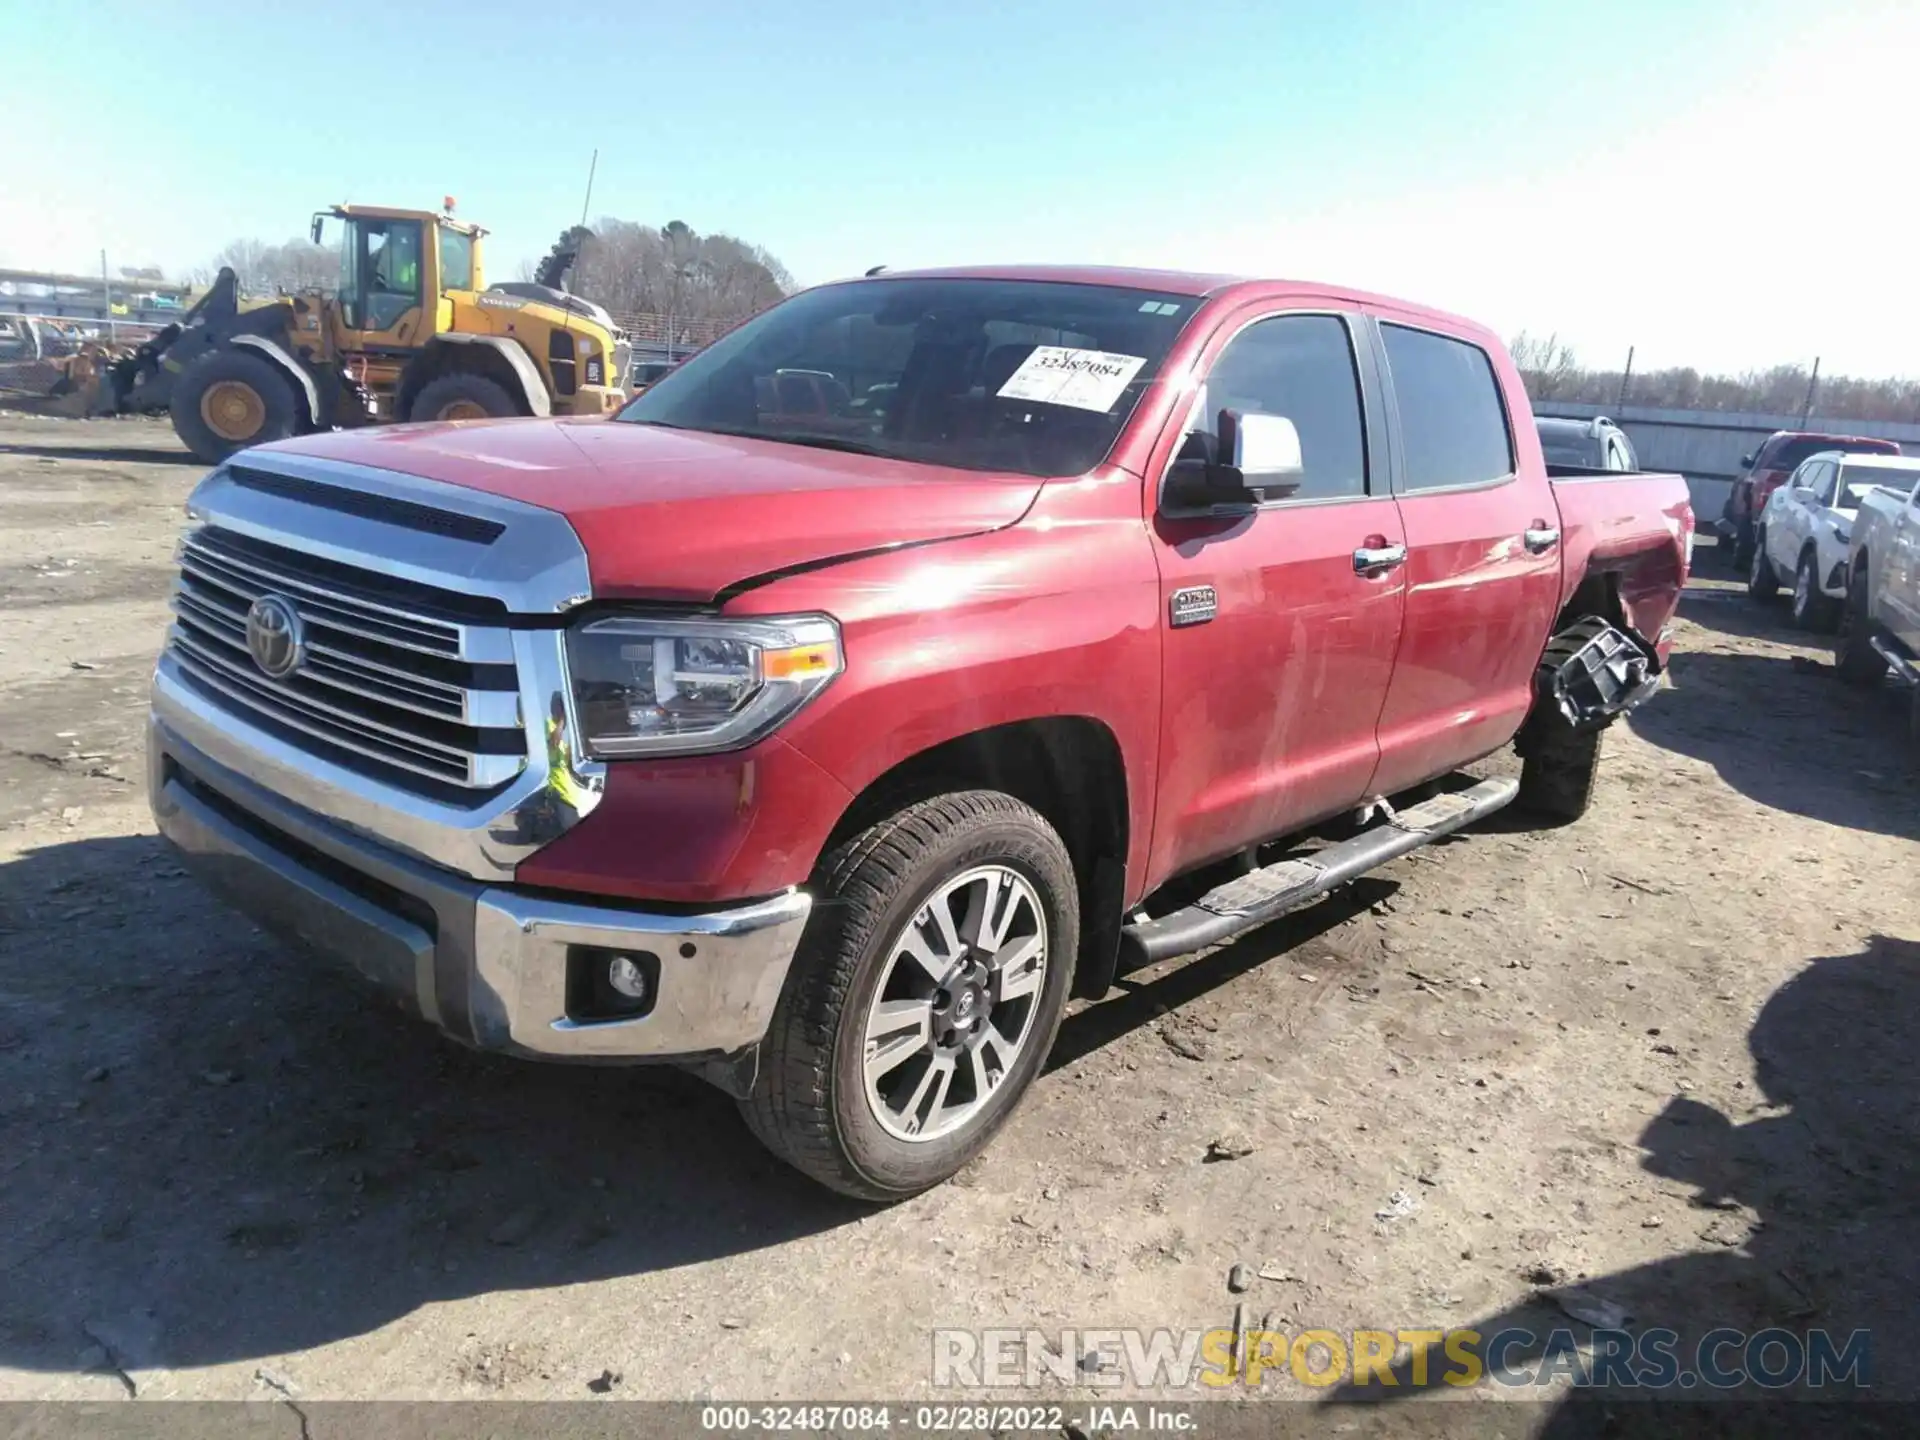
[1540,541]
[1375,560]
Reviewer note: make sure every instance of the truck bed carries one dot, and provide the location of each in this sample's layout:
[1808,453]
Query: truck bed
[1636,526]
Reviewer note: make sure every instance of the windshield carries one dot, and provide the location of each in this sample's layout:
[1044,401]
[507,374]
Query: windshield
[1034,377]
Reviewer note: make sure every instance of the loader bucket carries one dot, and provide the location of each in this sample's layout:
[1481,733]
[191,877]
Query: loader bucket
[80,388]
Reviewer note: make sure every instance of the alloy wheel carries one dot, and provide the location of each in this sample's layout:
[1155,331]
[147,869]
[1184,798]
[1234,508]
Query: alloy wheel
[956,1003]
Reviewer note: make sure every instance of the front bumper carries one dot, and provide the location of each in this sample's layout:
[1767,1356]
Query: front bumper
[488,964]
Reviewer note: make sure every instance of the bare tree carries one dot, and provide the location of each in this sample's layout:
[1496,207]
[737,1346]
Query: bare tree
[1551,374]
[1548,367]
[674,280]
[264,269]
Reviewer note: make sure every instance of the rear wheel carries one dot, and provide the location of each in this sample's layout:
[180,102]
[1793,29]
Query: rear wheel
[1762,583]
[230,399]
[1812,610]
[924,998]
[1560,766]
[462,397]
[1857,662]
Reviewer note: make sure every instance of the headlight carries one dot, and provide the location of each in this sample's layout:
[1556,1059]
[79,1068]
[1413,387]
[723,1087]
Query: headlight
[668,686]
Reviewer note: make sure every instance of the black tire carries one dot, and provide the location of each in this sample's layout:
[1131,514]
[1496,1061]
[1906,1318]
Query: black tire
[462,397]
[1560,767]
[1742,549]
[1854,660]
[231,399]
[809,1103]
[1762,583]
[1812,610]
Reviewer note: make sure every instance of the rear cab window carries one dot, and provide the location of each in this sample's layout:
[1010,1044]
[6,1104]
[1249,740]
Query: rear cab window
[1453,422]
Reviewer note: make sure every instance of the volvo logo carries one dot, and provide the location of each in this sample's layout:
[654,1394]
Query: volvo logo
[273,636]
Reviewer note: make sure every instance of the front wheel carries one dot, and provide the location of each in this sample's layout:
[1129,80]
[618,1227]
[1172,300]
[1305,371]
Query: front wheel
[924,998]
[230,399]
[1812,609]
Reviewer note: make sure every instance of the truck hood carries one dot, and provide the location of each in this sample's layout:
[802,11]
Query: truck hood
[680,515]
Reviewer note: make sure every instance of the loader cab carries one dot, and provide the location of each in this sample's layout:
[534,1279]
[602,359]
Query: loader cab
[396,267]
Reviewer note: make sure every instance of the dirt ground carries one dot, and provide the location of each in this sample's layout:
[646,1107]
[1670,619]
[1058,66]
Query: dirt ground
[1668,1053]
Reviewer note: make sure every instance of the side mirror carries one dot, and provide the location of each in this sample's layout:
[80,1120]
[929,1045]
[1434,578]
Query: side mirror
[1253,454]
[1746,460]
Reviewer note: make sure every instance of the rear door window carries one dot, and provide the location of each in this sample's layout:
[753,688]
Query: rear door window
[1453,426]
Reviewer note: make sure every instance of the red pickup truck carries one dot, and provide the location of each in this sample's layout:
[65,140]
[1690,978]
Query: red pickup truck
[828,718]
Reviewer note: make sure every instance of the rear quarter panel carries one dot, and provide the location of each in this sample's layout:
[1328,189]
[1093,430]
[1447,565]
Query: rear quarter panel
[1637,528]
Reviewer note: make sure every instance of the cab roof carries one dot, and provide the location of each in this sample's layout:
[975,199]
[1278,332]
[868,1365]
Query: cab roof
[389,212]
[1208,285]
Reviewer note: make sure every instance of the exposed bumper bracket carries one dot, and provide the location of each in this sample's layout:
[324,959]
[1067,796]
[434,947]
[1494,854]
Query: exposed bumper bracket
[1593,672]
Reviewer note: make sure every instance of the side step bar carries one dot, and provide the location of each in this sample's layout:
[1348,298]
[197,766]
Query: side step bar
[1268,893]
[1902,663]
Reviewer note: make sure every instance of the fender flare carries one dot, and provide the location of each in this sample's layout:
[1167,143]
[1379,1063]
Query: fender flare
[295,371]
[533,390]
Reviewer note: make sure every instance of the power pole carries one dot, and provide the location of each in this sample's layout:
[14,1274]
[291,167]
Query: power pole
[1626,379]
[106,296]
[1813,388]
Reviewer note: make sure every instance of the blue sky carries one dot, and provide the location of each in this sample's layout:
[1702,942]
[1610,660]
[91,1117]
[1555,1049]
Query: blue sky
[1623,174]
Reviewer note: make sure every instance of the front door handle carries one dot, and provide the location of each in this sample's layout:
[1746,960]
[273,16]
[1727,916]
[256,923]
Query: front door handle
[1377,559]
[1542,540]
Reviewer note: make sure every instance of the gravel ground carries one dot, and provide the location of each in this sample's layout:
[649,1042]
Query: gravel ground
[1666,1054]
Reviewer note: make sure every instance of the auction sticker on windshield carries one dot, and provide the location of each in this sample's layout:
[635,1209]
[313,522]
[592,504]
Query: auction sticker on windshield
[1084,379]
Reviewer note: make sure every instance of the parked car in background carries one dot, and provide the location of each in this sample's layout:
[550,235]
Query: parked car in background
[1767,470]
[647,372]
[1806,527]
[827,750]
[1880,623]
[1596,444]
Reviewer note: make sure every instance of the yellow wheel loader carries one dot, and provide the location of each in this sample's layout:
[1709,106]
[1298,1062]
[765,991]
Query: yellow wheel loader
[411,334]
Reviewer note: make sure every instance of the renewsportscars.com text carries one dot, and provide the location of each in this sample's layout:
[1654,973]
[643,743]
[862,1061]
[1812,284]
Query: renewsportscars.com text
[1650,1359]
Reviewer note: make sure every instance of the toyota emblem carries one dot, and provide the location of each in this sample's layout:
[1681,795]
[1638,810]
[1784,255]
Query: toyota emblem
[273,636]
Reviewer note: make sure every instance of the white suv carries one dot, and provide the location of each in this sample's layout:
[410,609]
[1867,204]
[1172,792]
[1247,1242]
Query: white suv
[1807,525]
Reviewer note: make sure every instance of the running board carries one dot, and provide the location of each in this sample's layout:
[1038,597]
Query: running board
[1901,663]
[1268,893]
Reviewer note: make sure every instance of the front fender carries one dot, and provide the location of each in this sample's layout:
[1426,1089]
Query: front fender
[294,370]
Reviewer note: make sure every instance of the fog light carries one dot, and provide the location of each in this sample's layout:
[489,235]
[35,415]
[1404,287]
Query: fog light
[605,984]
[627,978]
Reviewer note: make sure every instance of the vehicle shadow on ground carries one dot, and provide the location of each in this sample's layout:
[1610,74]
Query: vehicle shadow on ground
[1731,611]
[1807,1203]
[114,454]
[1141,998]
[1825,750]
[214,1152]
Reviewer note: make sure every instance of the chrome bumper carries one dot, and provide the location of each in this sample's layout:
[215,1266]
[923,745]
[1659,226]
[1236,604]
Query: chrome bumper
[486,963]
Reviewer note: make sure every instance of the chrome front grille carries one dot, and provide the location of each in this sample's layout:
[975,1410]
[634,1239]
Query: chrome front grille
[397,679]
